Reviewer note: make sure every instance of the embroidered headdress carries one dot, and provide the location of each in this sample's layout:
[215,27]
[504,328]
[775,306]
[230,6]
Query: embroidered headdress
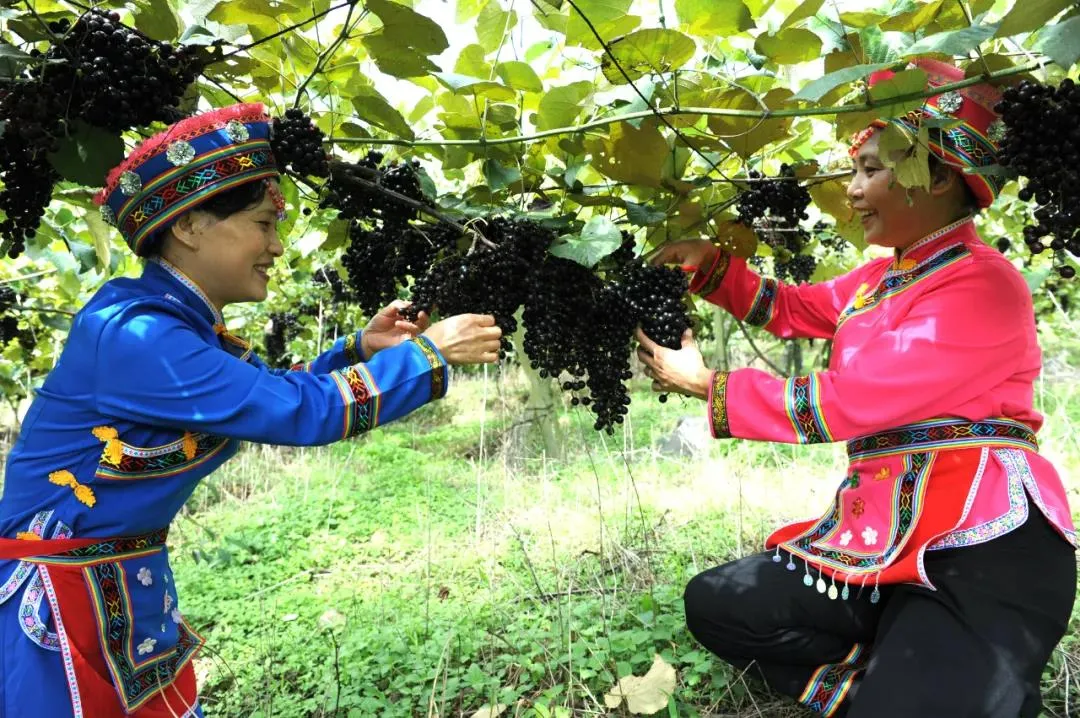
[973,142]
[177,169]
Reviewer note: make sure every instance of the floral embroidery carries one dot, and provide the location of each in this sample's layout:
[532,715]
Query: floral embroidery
[83,493]
[190,446]
[883,474]
[147,646]
[114,448]
[858,507]
[168,602]
[845,538]
[854,481]
[144,576]
[27,536]
[860,296]
[869,536]
[718,416]
[176,617]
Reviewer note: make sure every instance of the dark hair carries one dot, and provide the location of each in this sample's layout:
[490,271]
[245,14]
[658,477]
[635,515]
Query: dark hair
[222,206]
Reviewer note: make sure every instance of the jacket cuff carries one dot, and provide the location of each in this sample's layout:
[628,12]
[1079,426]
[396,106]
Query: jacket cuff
[718,414]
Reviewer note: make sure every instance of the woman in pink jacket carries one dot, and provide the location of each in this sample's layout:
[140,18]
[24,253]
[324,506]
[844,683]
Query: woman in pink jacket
[942,576]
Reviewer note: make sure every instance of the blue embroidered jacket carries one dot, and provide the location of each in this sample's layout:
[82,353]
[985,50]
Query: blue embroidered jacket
[149,396]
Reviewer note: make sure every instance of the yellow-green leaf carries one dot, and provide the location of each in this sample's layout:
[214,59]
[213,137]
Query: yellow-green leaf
[954,42]
[611,19]
[467,10]
[906,155]
[1028,15]
[628,154]
[709,18]
[560,106]
[471,62]
[494,24]
[831,198]
[861,19]
[465,85]
[906,82]
[790,46]
[157,20]
[396,59]
[519,75]
[815,90]
[409,27]
[258,14]
[808,9]
[748,135]
[647,694]
[102,234]
[646,51]
[915,19]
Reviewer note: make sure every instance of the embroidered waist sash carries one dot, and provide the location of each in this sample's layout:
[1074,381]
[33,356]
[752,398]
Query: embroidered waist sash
[887,510]
[127,648]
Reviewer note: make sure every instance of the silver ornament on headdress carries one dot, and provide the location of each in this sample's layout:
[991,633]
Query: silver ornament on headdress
[130,183]
[237,131]
[180,153]
[996,131]
[107,215]
[950,102]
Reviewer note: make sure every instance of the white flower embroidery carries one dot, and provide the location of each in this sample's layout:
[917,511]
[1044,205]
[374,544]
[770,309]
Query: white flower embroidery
[176,618]
[147,646]
[168,602]
[845,538]
[869,536]
[144,576]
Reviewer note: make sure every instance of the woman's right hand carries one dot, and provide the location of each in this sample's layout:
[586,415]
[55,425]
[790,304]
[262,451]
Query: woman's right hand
[467,339]
[693,255]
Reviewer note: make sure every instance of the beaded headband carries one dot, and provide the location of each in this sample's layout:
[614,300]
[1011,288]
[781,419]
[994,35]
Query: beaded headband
[177,169]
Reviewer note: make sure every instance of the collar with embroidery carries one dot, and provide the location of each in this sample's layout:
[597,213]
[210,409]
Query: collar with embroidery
[189,283]
[907,259]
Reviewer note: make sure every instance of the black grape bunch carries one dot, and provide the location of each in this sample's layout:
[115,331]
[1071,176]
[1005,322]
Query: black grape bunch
[283,328]
[775,208]
[98,71]
[1041,143]
[298,145]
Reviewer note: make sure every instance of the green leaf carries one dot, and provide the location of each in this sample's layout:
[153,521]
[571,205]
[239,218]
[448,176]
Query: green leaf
[814,91]
[907,156]
[955,42]
[494,24]
[258,14]
[373,108]
[12,59]
[519,75]
[807,9]
[907,82]
[396,59]
[1062,42]
[87,154]
[102,234]
[611,19]
[708,18]
[748,135]
[627,154]
[1028,15]
[498,176]
[790,46]
[599,238]
[471,62]
[646,51]
[409,27]
[465,85]
[560,106]
[157,20]
[915,19]
[467,10]
[861,19]
[641,215]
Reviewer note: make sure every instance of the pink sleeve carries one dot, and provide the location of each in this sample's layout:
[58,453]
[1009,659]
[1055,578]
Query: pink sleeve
[786,310]
[962,338]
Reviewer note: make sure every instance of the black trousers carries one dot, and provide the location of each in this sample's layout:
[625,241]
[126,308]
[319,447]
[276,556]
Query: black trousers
[974,648]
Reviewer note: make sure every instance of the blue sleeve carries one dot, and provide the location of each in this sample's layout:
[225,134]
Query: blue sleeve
[153,367]
[345,352]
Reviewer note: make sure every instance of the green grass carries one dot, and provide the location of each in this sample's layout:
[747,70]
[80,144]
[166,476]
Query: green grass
[422,571]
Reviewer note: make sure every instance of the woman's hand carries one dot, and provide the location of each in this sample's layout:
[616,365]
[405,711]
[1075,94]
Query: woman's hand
[680,371]
[467,339]
[692,255]
[389,328]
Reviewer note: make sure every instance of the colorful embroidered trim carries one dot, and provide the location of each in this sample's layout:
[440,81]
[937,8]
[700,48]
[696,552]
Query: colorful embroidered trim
[1020,465]
[908,495]
[352,349]
[121,461]
[937,434]
[761,311]
[718,416]
[439,378]
[109,550]
[803,404]
[893,284]
[65,646]
[710,280]
[903,264]
[361,395]
[137,681]
[1015,516]
[830,683]
[24,568]
[195,289]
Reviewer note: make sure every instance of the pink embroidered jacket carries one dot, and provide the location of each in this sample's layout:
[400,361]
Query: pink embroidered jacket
[935,349]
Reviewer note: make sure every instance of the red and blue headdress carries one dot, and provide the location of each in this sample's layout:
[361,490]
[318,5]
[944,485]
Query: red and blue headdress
[178,169]
[972,143]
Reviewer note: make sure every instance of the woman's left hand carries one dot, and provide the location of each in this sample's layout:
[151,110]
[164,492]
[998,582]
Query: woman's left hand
[389,328]
[679,371]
